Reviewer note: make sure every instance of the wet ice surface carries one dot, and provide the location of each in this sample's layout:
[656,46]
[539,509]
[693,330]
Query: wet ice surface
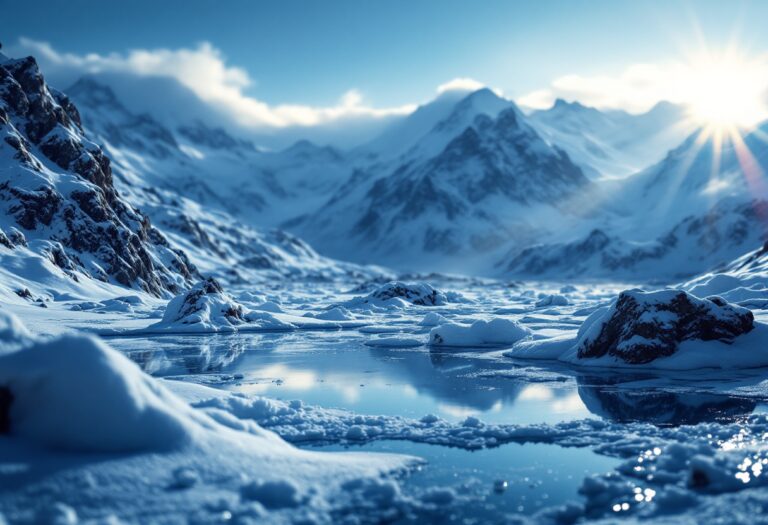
[494,483]
[336,369]
[385,368]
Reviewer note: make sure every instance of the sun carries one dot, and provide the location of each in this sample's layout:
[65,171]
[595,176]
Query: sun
[725,91]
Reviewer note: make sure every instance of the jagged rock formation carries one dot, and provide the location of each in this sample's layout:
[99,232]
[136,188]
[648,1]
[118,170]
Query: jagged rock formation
[643,326]
[57,190]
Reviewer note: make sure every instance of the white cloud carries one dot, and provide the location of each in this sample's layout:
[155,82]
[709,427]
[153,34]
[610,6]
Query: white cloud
[702,80]
[637,88]
[460,84]
[464,84]
[204,71]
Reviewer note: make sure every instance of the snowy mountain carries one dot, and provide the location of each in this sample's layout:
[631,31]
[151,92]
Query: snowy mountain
[480,179]
[701,207]
[465,182]
[434,124]
[205,162]
[62,218]
[194,182]
[612,143]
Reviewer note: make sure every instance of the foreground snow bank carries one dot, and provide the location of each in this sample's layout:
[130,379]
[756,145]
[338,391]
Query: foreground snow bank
[497,332]
[75,393]
[207,308]
[667,329]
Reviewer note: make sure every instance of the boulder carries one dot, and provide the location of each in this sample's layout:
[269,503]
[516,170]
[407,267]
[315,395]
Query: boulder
[643,326]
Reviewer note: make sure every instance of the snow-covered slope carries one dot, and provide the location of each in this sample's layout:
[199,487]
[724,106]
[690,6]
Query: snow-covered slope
[200,184]
[704,205]
[481,179]
[612,143]
[203,161]
[434,124]
[61,215]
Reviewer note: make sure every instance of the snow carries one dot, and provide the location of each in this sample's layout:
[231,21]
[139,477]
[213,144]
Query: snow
[75,393]
[74,396]
[397,295]
[552,300]
[87,426]
[433,319]
[747,350]
[496,332]
[206,308]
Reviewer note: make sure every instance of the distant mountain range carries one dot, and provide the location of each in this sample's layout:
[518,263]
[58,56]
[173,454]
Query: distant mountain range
[466,183]
[613,143]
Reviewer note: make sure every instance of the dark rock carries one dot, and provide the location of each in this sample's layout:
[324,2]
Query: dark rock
[420,294]
[24,293]
[643,326]
[6,400]
[91,218]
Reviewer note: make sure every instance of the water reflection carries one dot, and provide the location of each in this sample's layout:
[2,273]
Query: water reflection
[606,397]
[337,370]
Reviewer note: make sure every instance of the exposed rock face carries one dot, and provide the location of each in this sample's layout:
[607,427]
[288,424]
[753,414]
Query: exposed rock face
[60,189]
[643,326]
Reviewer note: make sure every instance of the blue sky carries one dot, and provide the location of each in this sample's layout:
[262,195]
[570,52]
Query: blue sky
[393,52]
[343,67]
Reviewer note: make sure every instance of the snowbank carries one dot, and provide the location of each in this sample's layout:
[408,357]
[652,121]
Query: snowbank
[667,329]
[168,461]
[552,300]
[338,313]
[433,319]
[497,332]
[74,392]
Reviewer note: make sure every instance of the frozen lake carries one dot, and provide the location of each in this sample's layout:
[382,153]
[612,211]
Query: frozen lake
[347,369]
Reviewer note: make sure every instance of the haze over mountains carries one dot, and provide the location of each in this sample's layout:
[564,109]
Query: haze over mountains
[466,183]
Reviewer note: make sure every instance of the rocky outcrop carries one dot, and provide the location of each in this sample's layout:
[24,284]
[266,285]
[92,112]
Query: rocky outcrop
[205,299]
[643,326]
[60,189]
[399,294]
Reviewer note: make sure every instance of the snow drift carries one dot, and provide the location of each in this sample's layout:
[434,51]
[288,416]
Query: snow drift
[497,332]
[74,394]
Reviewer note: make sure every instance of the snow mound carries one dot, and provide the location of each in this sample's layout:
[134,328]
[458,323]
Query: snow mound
[643,326]
[497,332]
[433,319]
[552,300]
[207,308]
[396,294]
[12,332]
[75,393]
[338,313]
